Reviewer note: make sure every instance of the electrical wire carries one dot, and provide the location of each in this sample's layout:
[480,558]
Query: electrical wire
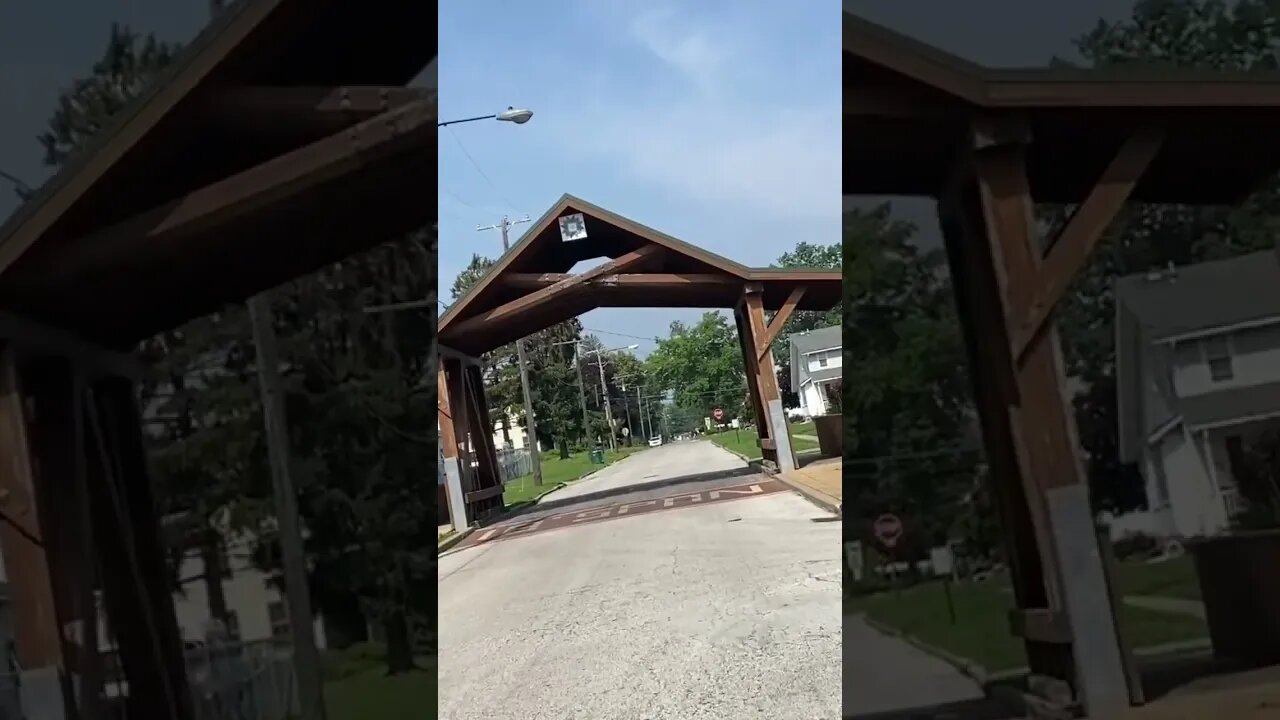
[618,334]
[484,175]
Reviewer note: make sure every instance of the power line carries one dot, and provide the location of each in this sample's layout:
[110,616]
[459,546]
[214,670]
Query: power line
[610,332]
[484,175]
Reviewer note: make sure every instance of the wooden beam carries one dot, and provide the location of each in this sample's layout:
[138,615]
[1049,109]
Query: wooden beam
[460,356]
[780,319]
[490,492]
[1070,251]
[257,109]
[629,280]
[887,103]
[232,198]
[573,283]
[26,554]
[34,338]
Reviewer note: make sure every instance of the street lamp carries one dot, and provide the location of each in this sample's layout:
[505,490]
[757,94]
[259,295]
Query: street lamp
[515,115]
[604,392]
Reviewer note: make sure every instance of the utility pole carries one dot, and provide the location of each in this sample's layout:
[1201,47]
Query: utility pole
[640,410]
[626,407]
[582,394]
[306,657]
[531,427]
[604,399]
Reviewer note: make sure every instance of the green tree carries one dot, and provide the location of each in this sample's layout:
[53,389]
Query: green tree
[905,406]
[127,67]
[701,363]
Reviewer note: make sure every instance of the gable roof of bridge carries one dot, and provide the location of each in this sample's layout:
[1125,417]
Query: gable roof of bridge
[679,274]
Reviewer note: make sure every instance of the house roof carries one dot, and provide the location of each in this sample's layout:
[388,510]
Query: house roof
[684,275]
[1183,303]
[812,341]
[121,212]
[908,108]
[1205,296]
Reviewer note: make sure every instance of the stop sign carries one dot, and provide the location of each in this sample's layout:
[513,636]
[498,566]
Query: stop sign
[887,528]
[717,413]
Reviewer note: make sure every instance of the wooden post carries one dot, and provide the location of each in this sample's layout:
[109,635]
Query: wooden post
[26,558]
[487,496]
[134,571]
[762,379]
[56,396]
[996,255]
[449,448]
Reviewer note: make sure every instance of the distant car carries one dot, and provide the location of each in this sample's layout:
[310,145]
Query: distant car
[655,441]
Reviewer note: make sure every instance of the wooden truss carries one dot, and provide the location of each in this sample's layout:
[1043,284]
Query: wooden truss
[530,290]
[261,157]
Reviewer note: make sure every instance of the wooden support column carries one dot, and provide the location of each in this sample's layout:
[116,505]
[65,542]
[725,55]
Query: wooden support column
[26,553]
[762,379]
[134,576]
[1036,466]
[449,451]
[486,499]
[55,400]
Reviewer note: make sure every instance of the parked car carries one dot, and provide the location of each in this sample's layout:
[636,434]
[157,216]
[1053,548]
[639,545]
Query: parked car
[655,441]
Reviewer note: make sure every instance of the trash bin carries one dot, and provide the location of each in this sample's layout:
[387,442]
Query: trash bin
[597,456]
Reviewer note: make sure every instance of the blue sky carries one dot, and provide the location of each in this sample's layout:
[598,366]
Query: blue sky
[717,122]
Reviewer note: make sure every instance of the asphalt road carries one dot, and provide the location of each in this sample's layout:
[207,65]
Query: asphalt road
[720,610]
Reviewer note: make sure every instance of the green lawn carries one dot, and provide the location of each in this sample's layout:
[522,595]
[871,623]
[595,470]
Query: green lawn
[371,695]
[554,471]
[743,441]
[981,632]
[360,690]
[804,428]
[1171,578]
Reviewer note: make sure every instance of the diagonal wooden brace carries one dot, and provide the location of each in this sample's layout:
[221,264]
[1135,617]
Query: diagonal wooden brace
[1070,250]
[572,283]
[779,320]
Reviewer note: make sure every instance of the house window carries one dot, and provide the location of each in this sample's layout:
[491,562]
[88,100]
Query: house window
[1217,353]
[278,614]
[822,359]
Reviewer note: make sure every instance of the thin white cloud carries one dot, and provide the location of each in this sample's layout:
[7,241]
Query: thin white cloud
[720,138]
[693,54]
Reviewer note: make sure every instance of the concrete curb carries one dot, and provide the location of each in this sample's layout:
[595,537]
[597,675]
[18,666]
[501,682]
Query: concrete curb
[968,668]
[817,497]
[452,540]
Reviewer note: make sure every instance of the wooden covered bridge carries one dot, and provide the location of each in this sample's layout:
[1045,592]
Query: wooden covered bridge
[284,137]
[988,145]
[530,289]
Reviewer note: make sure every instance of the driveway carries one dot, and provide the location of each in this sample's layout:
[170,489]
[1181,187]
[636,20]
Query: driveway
[690,611]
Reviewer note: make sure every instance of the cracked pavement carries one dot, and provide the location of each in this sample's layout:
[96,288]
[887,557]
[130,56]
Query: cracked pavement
[727,610]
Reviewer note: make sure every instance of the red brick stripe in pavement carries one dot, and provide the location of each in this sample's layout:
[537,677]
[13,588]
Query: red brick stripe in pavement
[520,528]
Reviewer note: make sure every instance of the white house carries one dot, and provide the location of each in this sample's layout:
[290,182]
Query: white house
[257,610]
[1197,375]
[815,364]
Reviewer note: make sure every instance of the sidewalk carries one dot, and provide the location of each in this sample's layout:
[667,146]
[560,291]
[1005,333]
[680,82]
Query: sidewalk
[821,481]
